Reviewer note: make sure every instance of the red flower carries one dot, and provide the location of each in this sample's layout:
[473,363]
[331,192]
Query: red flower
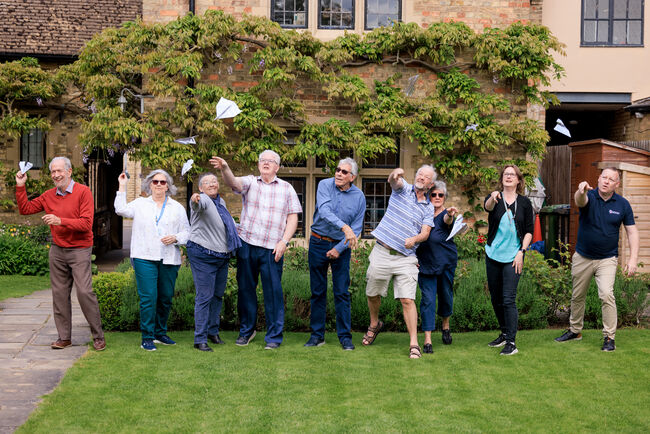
[481,239]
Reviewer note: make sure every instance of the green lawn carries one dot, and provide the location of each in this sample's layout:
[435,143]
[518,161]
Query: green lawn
[18,286]
[572,387]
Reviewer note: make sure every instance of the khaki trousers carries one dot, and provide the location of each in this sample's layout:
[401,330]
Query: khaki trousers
[68,266]
[604,270]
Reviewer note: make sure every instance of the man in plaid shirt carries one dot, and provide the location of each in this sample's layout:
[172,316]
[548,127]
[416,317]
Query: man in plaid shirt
[269,218]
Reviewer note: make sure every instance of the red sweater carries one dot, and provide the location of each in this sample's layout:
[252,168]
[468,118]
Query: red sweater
[76,211]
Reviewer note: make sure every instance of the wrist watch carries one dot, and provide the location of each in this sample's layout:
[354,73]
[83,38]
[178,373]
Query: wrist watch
[285,242]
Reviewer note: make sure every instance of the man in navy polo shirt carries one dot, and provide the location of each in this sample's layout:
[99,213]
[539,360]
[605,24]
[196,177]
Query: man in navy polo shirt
[601,213]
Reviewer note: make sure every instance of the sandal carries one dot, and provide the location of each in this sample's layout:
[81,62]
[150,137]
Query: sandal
[415,352]
[367,339]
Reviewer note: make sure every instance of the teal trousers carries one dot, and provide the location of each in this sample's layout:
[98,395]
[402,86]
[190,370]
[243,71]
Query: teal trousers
[156,282]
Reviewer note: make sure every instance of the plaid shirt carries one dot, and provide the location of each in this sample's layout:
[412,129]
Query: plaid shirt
[265,208]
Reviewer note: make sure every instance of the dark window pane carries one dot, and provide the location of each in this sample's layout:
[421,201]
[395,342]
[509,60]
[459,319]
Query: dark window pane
[31,147]
[300,5]
[634,32]
[603,31]
[346,21]
[620,32]
[620,9]
[326,5]
[590,8]
[299,184]
[589,32]
[279,4]
[377,192]
[634,9]
[290,5]
[325,19]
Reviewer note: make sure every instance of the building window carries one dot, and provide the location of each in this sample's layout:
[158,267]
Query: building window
[300,185]
[612,22]
[289,13]
[336,14]
[290,140]
[388,160]
[343,153]
[32,147]
[377,192]
[381,13]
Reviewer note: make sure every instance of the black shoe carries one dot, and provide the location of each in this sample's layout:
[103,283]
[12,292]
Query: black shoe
[215,339]
[446,337]
[347,344]
[272,345]
[498,342]
[608,345]
[315,342]
[202,347]
[427,349]
[242,341]
[509,349]
[569,336]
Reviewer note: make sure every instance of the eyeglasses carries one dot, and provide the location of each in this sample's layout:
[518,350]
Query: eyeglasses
[343,171]
[440,195]
[161,182]
[508,174]
[265,160]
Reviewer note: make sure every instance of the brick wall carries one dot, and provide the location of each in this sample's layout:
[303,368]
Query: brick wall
[163,11]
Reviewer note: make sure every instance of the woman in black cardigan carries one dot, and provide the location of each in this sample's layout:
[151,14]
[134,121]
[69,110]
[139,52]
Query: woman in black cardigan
[510,231]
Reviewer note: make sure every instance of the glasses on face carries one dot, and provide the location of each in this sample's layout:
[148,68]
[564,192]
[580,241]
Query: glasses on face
[439,195]
[509,175]
[343,171]
[266,160]
[159,181]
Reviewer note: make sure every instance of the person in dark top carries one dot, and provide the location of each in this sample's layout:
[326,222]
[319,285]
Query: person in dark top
[510,231]
[438,258]
[601,213]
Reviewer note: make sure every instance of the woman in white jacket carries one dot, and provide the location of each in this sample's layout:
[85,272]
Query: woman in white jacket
[160,226]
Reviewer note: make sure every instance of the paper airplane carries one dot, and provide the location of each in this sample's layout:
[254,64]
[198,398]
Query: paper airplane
[226,109]
[187,166]
[560,128]
[458,227]
[186,141]
[471,127]
[410,87]
[25,166]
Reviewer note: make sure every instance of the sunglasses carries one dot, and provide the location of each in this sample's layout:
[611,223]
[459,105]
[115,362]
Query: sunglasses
[343,171]
[440,195]
[156,182]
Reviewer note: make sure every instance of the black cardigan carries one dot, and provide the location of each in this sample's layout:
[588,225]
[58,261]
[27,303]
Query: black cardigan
[524,218]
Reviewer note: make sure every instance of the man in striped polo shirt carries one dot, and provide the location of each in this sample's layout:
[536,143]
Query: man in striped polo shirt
[406,223]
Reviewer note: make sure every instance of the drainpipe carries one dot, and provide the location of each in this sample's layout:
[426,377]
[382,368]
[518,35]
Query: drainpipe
[190,84]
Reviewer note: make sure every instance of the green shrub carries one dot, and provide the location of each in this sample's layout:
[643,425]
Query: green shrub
[19,255]
[551,280]
[295,258]
[109,288]
[472,306]
[470,245]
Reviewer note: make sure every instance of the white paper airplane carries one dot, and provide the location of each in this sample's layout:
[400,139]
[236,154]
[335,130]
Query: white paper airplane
[187,166]
[411,85]
[25,166]
[226,109]
[560,128]
[186,141]
[458,227]
[471,127]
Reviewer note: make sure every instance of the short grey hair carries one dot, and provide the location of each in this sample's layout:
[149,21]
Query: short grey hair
[439,185]
[428,167]
[205,175]
[66,162]
[275,155]
[146,184]
[353,165]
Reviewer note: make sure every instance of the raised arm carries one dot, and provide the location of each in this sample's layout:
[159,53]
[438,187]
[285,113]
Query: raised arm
[395,179]
[25,206]
[228,177]
[580,195]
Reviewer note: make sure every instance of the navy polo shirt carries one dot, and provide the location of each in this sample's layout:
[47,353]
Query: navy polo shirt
[599,225]
[436,254]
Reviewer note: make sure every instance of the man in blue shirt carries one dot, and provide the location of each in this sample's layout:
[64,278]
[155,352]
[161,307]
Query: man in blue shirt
[407,222]
[338,221]
[601,213]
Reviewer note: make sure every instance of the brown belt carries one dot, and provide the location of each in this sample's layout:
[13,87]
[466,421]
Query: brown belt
[389,248]
[321,237]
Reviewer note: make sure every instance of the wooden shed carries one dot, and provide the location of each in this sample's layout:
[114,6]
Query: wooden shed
[587,160]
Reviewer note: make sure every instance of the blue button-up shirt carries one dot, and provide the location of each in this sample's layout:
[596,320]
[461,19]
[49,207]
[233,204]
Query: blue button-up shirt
[68,189]
[335,209]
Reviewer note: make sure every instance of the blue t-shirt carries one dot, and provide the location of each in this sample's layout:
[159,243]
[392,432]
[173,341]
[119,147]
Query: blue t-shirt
[435,254]
[599,225]
[505,244]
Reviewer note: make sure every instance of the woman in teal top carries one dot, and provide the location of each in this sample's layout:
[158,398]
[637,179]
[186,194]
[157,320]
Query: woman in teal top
[510,231]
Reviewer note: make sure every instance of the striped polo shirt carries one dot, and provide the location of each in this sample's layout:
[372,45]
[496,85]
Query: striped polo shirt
[403,219]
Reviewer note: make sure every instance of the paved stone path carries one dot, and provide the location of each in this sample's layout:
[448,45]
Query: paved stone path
[29,368]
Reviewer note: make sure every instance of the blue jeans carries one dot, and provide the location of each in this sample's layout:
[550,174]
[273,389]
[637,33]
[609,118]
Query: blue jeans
[210,276]
[253,262]
[502,282]
[318,265]
[156,282]
[430,286]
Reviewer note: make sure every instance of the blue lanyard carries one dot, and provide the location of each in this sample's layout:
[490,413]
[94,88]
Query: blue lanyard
[162,210]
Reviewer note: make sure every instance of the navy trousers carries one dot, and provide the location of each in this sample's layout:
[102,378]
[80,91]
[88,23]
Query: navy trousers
[318,265]
[431,285]
[253,262]
[210,277]
[502,282]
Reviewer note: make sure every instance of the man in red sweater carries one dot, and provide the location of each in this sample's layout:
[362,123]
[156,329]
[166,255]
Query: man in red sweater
[70,209]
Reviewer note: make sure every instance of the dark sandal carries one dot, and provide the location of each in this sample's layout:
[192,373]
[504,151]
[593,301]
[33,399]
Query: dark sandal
[415,352]
[367,339]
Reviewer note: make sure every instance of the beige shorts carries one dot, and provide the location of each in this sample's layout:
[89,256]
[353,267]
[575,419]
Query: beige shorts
[384,267]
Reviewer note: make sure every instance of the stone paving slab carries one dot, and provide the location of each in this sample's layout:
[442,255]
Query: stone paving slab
[29,368]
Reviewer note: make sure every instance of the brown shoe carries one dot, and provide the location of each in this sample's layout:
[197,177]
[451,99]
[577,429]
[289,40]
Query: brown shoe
[99,344]
[60,344]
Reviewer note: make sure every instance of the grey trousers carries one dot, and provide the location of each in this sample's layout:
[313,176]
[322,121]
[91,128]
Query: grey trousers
[68,266]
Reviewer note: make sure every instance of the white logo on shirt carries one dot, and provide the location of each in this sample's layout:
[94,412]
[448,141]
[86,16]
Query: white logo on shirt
[611,211]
